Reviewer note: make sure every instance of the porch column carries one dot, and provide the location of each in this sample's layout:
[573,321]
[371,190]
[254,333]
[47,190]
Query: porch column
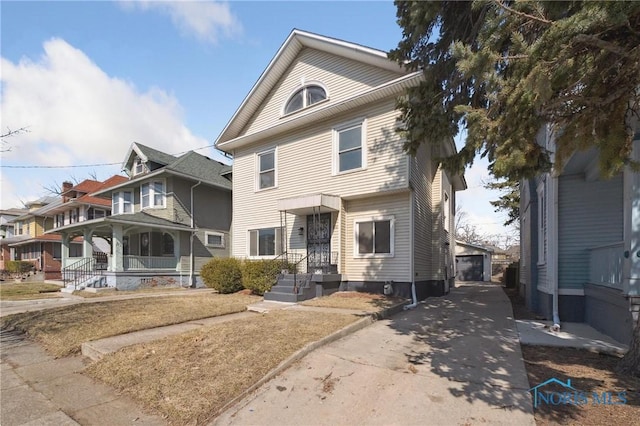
[87,246]
[64,250]
[116,249]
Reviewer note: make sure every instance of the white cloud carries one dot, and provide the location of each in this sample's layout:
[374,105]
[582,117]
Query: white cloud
[77,114]
[205,20]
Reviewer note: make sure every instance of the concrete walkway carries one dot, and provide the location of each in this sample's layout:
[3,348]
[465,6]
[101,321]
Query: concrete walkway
[452,360]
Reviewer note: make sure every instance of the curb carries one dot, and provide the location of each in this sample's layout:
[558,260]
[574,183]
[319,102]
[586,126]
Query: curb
[310,347]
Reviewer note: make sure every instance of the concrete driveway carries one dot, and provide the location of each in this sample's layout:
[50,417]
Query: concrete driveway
[453,360]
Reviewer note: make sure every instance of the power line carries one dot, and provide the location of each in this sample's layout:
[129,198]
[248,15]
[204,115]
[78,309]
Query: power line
[10,166]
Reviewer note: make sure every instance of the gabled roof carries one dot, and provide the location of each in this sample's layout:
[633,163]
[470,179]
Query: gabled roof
[86,186]
[147,154]
[191,165]
[283,59]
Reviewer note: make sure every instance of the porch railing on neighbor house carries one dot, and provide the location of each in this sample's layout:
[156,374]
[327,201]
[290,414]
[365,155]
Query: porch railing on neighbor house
[81,270]
[148,262]
[605,265]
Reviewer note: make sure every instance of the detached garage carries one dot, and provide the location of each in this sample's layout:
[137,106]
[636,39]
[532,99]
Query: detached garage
[473,262]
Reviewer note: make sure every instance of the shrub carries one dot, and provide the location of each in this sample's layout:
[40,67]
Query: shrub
[223,274]
[18,266]
[260,275]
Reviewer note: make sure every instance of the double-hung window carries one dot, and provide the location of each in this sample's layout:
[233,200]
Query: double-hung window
[349,147]
[122,202]
[266,169]
[152,194]
[265,242]
[138,166]
[374,237]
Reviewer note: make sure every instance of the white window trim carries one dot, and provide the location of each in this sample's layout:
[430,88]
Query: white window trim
[303,86]
[363,145]
[540,228]
[273,150]
[392,234]
[121,202]
[219,234]
[138,162]
[267,256]
[152,194]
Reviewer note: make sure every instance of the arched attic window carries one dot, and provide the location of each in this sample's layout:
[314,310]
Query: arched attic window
[302,98]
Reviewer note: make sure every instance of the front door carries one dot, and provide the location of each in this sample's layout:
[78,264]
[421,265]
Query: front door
[318,241]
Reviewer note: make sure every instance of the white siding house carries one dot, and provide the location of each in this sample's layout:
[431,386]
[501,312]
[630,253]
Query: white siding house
[320,177]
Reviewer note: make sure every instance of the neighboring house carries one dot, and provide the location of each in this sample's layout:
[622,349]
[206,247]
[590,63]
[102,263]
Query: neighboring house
[473,262]
[7,231]
[31,244]
[167,219]
[320,176]
[580,244]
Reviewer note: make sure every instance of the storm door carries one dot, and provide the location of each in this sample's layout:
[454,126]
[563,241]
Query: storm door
[318,241]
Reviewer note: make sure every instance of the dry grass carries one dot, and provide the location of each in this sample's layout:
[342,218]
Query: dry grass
[114,292]
[368,302]
[189,378]
[32,290]
[62,330]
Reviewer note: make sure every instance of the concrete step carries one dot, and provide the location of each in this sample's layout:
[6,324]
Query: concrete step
[275,296]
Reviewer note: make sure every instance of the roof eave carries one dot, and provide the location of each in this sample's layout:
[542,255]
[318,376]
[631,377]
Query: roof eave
[392,88]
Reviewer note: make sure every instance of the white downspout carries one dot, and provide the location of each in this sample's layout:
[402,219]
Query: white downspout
[192,283]
[553,251]
[411,256]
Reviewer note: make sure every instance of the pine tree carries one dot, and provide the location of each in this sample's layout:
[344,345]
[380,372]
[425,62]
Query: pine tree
[502,69]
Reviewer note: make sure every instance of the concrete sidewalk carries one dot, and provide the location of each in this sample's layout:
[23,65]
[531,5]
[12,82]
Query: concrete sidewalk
[452,360]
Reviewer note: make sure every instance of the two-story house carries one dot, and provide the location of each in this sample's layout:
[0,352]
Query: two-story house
[170,216]
[31,243]
[320,177]
[7,231]
[580,243]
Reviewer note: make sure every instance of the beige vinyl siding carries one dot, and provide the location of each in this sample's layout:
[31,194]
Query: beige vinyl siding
[442,254]
[304,165]
[422,170]
[342,78]
[396,268]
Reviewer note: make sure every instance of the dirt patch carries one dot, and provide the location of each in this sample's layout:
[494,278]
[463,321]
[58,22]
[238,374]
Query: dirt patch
[189,378]
[62,330]
[599,393]
[368,302]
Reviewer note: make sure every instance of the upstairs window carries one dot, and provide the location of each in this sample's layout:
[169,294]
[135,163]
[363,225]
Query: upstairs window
[304,98]
[349,147]
[266,170]
[152,194]
[122,202]
[138,166]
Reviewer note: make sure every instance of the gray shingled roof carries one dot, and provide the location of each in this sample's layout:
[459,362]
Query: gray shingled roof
[155,155]
[143,217]
[202,168]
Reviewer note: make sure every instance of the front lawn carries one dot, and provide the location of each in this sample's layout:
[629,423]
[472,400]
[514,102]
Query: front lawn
[28,290]
[62,330]
[368,302]
[189,378]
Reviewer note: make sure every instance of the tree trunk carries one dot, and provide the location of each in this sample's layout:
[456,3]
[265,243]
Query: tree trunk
[630,363]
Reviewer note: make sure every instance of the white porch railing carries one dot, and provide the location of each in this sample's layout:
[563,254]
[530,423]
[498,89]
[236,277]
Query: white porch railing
[605,265]
[149,262]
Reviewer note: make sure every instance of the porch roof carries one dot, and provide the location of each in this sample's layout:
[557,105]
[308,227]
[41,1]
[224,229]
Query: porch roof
[308,204]
[138,218]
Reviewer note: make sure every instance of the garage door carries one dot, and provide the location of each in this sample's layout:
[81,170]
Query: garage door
[469,268]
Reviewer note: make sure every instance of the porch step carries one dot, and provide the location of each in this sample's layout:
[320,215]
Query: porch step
[283,291]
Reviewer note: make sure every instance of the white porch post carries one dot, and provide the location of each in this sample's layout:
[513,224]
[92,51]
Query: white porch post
[64,250]
[117,251]
[87,246]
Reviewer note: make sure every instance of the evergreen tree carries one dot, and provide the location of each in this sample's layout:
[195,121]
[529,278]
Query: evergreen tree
[503,69]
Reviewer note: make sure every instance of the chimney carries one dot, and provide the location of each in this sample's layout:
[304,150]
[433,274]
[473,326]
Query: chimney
[66,186]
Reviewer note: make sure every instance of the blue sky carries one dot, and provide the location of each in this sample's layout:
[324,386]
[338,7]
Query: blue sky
[88,78]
